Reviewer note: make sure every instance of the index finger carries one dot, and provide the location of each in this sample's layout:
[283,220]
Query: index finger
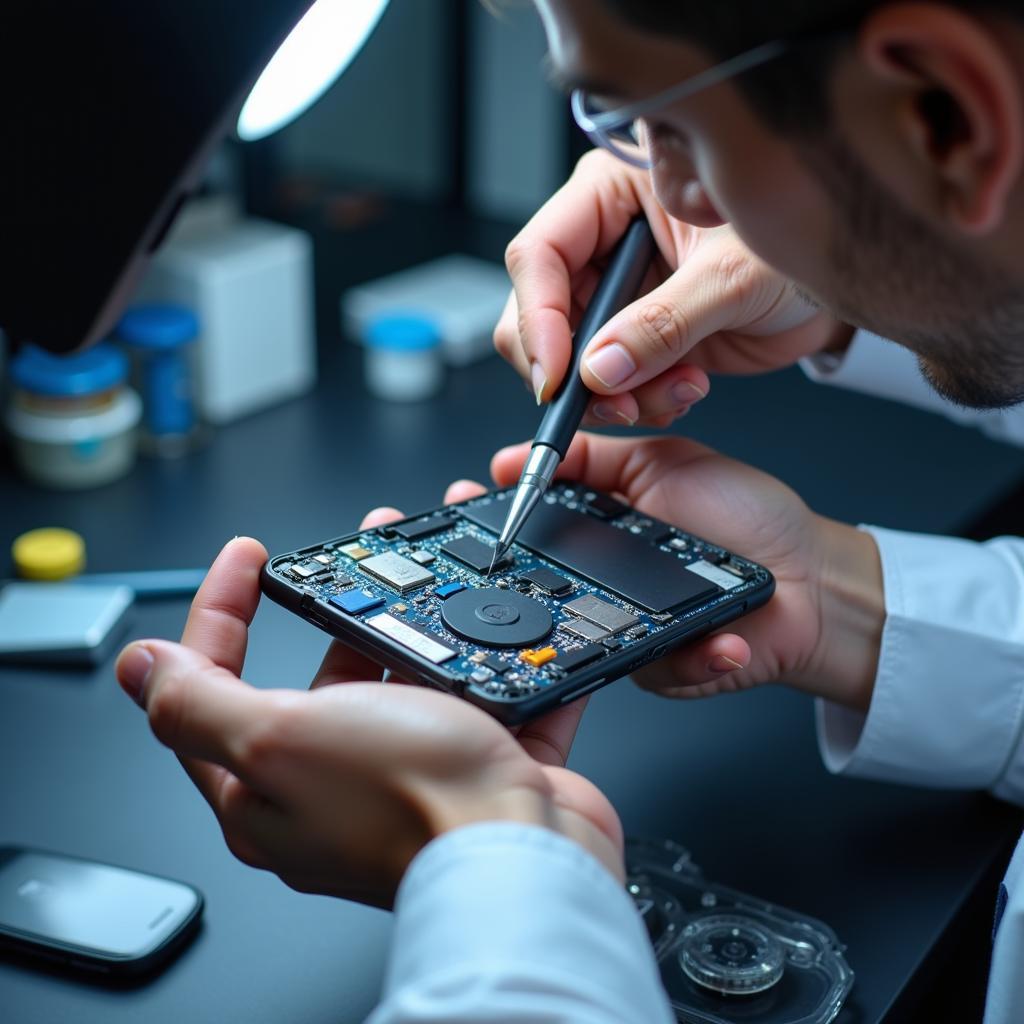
[579,224]
[218,621]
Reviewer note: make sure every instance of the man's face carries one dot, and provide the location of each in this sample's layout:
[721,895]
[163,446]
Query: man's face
[807,206]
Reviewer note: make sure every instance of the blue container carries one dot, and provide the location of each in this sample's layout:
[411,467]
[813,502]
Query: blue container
[158,335]
[79,375]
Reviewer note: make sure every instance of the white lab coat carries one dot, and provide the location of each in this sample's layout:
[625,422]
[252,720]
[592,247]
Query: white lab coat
[511,923]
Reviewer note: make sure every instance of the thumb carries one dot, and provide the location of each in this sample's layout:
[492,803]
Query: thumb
[195,706]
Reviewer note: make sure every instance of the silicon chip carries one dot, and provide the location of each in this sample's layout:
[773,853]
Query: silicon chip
[422,527]
[601,613]
[647,576]
[736,569]
[605,507]
[401,573]
[715,574]
[355,602]
[584,630]
[355,551]
[475,553]
[568,660]
[448,589]
[304,571]
[496,665]
[422,557]
[548,581]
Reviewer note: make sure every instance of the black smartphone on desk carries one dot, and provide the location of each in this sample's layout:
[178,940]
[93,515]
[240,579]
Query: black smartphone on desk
[591,590]
[92,916]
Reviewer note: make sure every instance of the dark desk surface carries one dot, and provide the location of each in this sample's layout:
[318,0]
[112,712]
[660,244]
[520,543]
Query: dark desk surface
[737,779]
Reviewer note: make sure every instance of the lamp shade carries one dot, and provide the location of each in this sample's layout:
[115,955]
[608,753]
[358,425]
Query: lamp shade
[110,111]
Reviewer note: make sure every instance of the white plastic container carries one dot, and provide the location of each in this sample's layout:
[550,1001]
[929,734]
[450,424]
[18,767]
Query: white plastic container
[72,421]
[402,358]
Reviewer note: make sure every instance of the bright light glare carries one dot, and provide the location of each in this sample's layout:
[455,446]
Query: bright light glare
[318,49]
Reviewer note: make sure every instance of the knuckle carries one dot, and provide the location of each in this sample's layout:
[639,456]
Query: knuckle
[516,255]
[167,705]
[505,338]
[271,736]
[241,849]
[593,160]
[738,273]
[663,327]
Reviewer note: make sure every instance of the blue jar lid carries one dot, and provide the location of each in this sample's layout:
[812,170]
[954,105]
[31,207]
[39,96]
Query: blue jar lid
[158,327]
[83,373]
[402,332]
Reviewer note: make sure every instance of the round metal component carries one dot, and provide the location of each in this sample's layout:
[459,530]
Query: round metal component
[497,618]
[731,954]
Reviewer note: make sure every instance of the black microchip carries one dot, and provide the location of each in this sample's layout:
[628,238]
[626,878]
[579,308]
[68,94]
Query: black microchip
[568,660]
[496,665]
[739,570]
[548,581]
[605,507]
[614,559]
[660,534]
[422,527]
[475,553]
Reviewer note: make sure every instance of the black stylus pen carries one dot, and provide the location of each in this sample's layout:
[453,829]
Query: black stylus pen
[618,286]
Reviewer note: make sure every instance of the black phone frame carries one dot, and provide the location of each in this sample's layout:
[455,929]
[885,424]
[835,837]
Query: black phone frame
[578,683]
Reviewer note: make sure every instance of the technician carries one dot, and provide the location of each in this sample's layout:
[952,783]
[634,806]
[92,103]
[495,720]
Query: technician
[871,159]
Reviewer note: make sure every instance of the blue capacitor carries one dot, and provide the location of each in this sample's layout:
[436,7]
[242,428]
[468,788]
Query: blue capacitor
[159,334]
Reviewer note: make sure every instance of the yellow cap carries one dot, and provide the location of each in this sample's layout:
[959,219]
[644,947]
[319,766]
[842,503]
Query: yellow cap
[50,553]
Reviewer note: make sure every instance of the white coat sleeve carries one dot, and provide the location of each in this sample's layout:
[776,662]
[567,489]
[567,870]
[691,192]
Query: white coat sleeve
[879,367]
[515,923]
[947,708]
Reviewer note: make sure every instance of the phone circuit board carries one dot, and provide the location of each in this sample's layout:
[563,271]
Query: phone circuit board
[591,590]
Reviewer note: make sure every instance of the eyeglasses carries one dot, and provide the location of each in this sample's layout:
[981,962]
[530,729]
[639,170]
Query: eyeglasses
[621,132]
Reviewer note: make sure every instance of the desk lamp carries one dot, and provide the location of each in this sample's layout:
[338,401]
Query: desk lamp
[108,113]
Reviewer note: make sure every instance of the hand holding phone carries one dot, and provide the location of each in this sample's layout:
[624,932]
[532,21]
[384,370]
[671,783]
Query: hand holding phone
[809,634]
[336,790]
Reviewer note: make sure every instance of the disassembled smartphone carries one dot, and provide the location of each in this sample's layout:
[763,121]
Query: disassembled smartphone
[591,590]
[729,958]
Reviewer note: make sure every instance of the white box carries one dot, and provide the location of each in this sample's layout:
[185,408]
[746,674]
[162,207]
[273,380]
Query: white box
[462,295]
[250,283]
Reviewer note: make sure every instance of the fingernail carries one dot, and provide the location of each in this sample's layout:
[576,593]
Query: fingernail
[611,365]
[133,669]
[686,393]
[539,381]
[720,663]
[606,411]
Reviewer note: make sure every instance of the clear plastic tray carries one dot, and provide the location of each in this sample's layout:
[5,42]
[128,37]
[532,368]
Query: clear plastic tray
[726,957]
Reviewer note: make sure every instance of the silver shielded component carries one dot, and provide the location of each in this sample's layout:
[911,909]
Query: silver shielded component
[417,642]
[398,572]
[584,629]
[601,613]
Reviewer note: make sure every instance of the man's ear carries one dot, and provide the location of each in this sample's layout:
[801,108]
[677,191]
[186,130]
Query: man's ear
[959,105]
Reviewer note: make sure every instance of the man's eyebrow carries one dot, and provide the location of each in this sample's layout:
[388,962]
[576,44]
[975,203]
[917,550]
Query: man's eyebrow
[567,81]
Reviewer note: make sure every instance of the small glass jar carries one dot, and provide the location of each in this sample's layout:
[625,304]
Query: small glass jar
[402,358]
[158,337]
[71,418]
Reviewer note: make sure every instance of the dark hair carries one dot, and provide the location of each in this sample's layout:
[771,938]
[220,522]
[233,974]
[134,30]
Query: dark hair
[790,93]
